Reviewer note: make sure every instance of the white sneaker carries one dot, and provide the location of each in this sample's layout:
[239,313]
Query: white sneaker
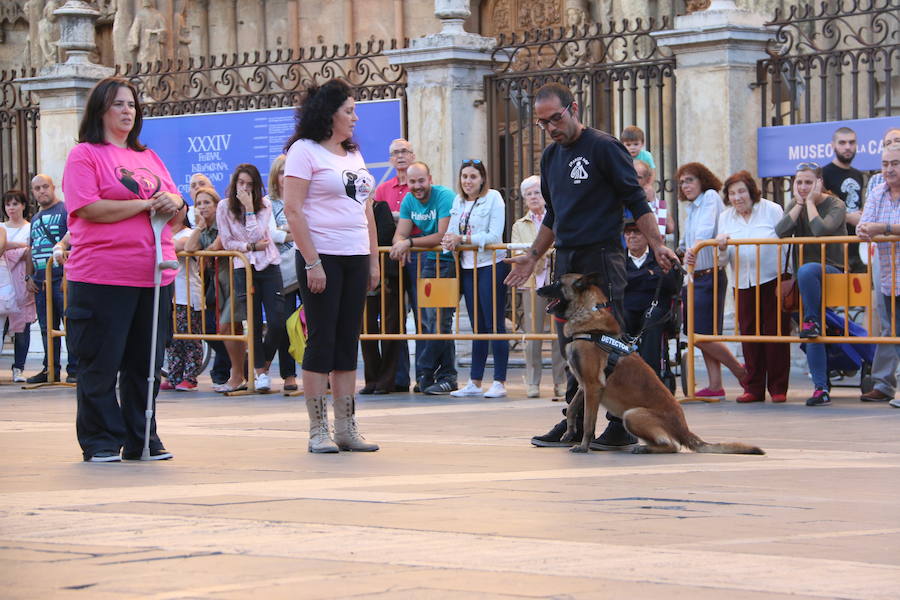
[470,390]
[533,391]
[498,390]
[559,390]
[17,376]
[262,383]
[895,402]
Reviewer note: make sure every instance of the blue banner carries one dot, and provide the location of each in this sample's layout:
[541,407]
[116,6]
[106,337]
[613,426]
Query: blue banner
[781,149]
[215,143]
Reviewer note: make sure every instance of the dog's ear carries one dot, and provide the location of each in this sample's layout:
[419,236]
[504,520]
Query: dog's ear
[592,279]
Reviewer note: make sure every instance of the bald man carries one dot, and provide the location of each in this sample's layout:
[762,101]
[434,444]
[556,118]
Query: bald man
[48,227]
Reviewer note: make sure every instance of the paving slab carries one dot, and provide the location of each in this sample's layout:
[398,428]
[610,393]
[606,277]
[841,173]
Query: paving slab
[457,504]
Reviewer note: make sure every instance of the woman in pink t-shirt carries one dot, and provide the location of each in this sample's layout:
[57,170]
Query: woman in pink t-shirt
[111,183]
[328,203]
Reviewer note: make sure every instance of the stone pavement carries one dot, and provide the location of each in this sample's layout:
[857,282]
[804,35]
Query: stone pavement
[457,504]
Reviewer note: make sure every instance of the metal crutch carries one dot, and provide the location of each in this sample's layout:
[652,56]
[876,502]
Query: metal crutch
[157,221]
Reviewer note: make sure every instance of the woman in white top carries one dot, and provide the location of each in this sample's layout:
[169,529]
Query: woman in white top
[524,231]
[185,356]
[477,218]
[700,188]
[328,194]
[16,257]
[750,216]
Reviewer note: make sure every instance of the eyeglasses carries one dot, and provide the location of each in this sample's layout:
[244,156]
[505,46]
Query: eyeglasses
[471,162]
[400,151]
[687,180]
[808,166]
[555,118]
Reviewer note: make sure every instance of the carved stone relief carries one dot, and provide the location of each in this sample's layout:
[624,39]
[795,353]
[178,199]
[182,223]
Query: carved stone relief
[148,35]
[48,34]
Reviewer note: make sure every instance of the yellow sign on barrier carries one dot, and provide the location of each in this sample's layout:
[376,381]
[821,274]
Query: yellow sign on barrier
[440,292]
[848,289]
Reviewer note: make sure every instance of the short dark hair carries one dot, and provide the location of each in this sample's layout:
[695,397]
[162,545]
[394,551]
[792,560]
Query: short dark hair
[841,131]
[234,205]
[554,88]
[20,197]
[708,181]
[102,95]
[747,179]
[478,166]
[632,133]
[316,111]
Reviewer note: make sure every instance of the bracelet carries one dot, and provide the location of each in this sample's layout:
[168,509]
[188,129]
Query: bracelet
[313,265]
[250,212]
[410,240]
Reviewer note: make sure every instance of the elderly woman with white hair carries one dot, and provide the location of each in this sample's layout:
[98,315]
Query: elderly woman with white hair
[524,231]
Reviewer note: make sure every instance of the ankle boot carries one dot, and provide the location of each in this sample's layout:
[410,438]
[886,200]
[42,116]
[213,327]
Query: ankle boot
[319,440]
[346,435]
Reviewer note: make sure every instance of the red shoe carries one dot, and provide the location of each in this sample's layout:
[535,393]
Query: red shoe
[746,398]
[165,385]
[779,398]
[186,386]
[708,393]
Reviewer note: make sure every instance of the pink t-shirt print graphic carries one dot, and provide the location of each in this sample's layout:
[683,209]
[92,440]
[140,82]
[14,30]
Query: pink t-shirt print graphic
[358,184]
[142,182]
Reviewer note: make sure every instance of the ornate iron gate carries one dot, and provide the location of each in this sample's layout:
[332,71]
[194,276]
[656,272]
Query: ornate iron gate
[19,115]
[830,61]
[619,76]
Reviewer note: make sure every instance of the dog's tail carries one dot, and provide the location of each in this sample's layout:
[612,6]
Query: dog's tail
[698,445]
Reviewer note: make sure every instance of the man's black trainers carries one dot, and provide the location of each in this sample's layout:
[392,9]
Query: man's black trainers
[155,454]
[615,437]
[819,398]
[71,379]
[441,388]
[809,329]
[553,438]
[39,377]
[103,456]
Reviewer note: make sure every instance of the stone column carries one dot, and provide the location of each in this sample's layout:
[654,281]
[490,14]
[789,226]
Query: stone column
[716,51]
[63,88]
[445,96]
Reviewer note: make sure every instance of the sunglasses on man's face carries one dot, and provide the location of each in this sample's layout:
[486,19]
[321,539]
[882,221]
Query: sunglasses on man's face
[554,118]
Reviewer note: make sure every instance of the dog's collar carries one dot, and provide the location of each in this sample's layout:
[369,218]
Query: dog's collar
[602,306]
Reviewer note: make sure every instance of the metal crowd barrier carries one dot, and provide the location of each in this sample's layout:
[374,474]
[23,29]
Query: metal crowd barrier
[444,293]
[203,334]
[844,290]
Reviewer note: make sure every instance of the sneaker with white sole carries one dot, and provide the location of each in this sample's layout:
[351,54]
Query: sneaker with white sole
[895,403]
[533,391]
[498,390]
[262,383]
[17,376]
[470,390]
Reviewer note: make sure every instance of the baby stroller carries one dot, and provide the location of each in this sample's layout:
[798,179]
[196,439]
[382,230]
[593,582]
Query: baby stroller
[846,360]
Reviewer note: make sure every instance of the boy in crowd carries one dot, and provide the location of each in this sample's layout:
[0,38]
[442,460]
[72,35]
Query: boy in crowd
[633,139]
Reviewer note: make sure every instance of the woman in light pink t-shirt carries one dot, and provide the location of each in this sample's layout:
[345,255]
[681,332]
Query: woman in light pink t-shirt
[328,202]
[111,184]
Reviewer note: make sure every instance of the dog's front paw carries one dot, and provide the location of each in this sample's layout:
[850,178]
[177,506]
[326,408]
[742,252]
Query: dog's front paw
[579,449]
[568,436]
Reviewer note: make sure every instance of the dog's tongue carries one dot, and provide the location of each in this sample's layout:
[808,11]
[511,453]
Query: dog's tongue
[552,304]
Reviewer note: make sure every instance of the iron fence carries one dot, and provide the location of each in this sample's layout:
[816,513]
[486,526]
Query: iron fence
[829,61]
[619,76]
[19,116]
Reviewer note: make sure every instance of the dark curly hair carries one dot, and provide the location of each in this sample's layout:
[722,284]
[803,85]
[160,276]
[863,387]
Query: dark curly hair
[315,113]
[20,197]
[708,181]
[100,99]
[747,179]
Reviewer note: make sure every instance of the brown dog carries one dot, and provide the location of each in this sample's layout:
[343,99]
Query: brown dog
[632,392]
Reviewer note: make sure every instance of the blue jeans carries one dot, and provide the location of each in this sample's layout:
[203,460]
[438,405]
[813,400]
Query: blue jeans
[40,304]
[809,278]
[486,293]
[409,290]
[21,342]
[438,359]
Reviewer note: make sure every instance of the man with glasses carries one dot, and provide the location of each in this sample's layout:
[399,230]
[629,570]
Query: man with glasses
[587,179]
[392,192]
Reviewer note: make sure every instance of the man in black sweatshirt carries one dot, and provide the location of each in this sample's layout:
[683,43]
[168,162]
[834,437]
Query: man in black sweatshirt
[587,179]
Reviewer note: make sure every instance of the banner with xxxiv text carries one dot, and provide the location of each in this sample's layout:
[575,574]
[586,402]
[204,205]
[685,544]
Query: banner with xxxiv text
[215,143]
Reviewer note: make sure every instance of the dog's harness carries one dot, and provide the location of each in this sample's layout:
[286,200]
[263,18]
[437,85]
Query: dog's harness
[615,348]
